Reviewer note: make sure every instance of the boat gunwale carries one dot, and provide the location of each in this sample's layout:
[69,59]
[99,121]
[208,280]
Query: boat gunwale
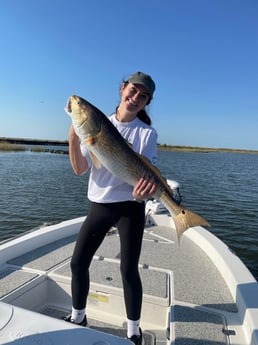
[238,278]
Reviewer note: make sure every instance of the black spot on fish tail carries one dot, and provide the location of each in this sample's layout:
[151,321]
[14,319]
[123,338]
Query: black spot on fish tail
[187,219]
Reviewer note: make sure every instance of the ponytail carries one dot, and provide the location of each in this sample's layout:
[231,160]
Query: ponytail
[144,117]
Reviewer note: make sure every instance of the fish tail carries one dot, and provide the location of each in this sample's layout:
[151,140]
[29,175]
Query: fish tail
[186,219]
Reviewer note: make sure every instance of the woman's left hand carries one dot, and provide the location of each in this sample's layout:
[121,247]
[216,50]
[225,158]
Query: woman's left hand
[144,189]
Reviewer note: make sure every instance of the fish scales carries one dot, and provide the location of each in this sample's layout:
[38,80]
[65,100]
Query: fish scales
[108,148]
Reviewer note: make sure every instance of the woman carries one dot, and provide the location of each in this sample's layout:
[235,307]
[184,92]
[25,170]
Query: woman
[113,202]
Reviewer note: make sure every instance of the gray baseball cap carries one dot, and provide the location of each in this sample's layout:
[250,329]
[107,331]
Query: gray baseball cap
[143,79]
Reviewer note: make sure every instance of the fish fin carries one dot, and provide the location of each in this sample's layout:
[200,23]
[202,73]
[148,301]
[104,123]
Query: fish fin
[187,219]
[90,140]
[95,160]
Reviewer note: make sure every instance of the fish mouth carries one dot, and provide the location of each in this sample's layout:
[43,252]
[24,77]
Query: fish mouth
[68,107]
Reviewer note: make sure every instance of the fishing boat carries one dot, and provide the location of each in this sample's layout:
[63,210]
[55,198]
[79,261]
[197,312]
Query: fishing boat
[196,291]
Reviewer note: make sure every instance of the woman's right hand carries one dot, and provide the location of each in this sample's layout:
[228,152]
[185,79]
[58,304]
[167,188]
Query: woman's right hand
[144,189]
[78,161]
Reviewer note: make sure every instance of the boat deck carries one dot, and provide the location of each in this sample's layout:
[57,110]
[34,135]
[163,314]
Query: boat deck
[184,293]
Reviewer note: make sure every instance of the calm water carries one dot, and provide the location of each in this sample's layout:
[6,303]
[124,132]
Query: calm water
[38,188]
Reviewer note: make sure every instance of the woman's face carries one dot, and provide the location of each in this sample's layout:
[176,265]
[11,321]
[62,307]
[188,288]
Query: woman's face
[134,96]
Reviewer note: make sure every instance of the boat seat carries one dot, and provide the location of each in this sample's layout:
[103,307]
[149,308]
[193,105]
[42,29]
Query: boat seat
[107,273]
[195,326]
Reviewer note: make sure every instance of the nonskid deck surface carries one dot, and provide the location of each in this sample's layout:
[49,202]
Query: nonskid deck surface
[179,275]
[106,327]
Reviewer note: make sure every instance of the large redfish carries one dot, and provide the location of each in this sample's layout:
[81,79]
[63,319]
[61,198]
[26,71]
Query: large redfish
[108,148]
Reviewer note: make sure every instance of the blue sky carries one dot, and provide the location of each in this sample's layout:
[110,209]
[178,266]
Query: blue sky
[202,54]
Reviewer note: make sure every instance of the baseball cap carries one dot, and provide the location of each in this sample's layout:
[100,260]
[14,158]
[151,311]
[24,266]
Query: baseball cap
[143,79]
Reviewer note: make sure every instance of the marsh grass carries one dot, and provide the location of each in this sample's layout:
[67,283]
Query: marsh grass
[202,149]
[4,146]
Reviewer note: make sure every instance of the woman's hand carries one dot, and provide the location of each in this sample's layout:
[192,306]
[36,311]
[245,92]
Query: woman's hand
[78,162]
[144,189]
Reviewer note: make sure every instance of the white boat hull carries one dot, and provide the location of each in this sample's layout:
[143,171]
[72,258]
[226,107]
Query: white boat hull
[195,293]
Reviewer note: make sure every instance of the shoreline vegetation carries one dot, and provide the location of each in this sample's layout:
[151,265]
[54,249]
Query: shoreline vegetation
[6,147]
[165,147]
[35,145]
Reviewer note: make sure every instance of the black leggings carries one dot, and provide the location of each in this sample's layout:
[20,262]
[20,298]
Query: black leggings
[129,216]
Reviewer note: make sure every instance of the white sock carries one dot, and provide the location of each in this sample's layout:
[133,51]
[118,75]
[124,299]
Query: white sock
[77,315]
[133,328]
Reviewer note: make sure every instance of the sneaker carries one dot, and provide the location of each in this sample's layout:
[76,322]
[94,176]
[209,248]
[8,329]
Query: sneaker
[137,339]
[69,319]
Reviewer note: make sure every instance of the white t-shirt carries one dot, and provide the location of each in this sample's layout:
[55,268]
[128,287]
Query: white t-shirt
[103,186]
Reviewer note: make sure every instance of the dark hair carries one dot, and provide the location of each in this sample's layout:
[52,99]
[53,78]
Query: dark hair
[144,117]
[142,114]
